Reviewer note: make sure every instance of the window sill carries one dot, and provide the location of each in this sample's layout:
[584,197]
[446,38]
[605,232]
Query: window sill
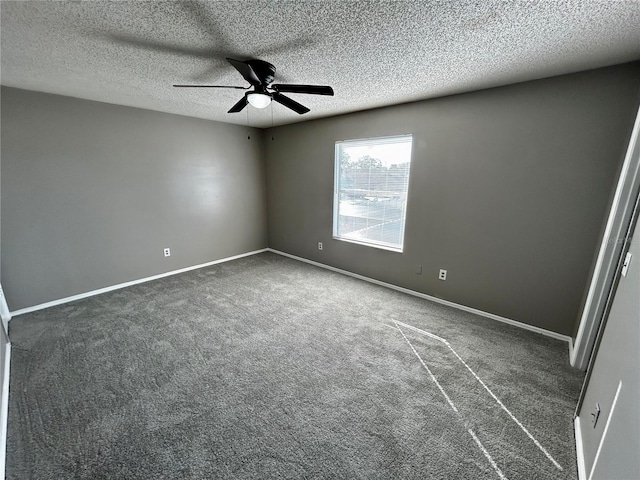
[369,244]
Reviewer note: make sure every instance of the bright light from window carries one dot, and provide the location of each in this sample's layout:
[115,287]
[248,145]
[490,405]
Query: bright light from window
[370,192]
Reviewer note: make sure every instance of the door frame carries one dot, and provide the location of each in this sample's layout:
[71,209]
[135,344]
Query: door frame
[614,242]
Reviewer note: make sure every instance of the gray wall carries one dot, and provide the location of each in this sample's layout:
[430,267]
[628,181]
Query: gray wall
[509,189]
[92,193]
[617,360]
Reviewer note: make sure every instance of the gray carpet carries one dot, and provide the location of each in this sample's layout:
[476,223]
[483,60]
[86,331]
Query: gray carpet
[266,367]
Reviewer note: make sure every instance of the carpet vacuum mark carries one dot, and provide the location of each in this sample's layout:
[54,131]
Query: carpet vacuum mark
[470,397]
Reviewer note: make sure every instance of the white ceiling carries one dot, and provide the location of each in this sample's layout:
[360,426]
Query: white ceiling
[373,53]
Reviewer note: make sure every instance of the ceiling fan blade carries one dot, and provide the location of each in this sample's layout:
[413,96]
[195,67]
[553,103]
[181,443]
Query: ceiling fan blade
[311,89]
[239,106]
[289,103]
[211,86]
[245,70]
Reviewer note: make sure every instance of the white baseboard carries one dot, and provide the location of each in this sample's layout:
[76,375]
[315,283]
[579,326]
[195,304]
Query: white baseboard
[91,293]
[492,316]
[515,323]
[4,410]
[582,471]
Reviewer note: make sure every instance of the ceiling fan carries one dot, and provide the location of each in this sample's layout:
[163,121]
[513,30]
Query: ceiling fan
[260,75]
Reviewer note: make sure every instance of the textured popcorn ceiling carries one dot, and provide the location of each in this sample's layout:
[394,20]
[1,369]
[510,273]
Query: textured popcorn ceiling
[373,53]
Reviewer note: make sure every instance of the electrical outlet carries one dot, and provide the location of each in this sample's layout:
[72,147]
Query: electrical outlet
[167,252]
[319,245]
[418,269]
[442,275]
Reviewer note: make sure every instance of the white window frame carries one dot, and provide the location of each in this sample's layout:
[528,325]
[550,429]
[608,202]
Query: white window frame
[336,190]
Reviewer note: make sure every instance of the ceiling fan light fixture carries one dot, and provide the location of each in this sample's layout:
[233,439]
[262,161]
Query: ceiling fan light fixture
[259,100]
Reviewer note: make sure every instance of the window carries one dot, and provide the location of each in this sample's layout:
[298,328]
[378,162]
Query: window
[370,192]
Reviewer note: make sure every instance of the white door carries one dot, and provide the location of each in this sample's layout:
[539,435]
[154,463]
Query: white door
[611,446]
